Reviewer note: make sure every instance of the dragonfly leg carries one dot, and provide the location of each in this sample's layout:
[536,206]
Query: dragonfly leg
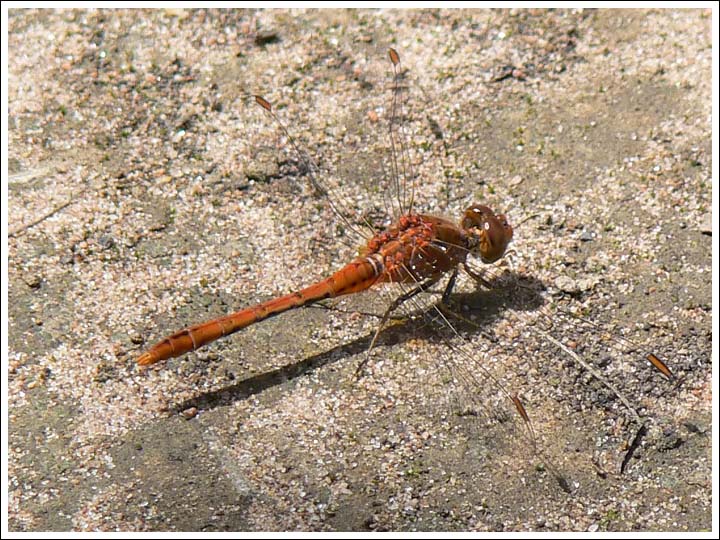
[422,287]
[477,277]
[449,287]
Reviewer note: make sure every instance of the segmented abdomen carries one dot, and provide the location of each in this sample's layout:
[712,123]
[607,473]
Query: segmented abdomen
[356,276]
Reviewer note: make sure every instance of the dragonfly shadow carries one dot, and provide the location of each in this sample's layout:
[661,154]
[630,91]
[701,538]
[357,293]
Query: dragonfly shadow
[489,301]
[254,385]
[468,313]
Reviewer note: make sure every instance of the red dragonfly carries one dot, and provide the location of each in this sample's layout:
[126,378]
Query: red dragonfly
[417,250]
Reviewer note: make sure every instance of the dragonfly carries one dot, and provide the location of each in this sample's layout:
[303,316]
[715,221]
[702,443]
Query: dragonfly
[418,249]
[414,253]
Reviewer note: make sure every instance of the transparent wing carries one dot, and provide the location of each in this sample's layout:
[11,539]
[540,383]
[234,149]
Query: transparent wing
[365,174]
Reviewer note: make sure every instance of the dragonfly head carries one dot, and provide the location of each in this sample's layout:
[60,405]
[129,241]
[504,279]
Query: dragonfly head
[490,234]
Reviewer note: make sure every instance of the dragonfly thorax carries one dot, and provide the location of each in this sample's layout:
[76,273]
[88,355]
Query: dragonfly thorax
[419,246]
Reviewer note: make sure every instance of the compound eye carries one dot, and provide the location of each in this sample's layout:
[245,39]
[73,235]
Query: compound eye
[506,225]
[476,216]
[497,235]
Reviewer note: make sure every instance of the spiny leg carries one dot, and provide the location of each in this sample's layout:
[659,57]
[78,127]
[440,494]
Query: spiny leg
[422,287]
[444,305]
[477,277]
[449,287]
[446,309]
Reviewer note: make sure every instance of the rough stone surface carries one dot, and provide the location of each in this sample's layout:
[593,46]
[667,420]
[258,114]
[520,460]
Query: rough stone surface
[148,192]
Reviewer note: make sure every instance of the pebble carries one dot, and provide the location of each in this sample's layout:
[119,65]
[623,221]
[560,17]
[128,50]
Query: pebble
[566,284]
[34,281]
[705,225]
[106,241]
[190,413]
